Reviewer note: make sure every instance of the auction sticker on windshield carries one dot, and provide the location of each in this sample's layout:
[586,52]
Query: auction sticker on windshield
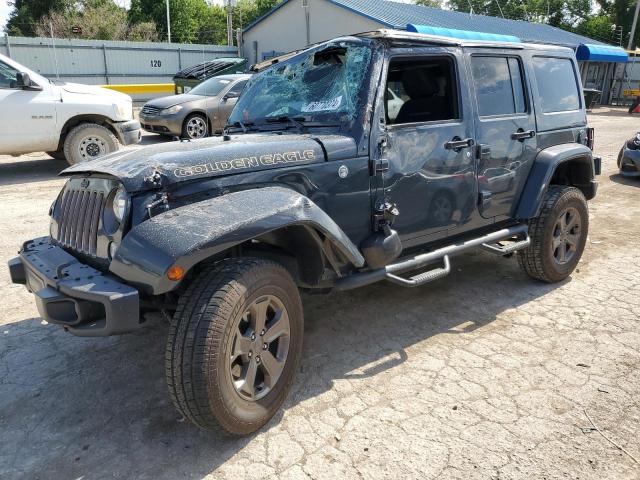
[323,106]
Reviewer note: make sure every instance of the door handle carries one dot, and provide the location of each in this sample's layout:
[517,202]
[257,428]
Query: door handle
[522,135]
[457,144]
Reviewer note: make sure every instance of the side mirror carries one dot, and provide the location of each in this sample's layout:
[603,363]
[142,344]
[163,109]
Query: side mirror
[231,94]
[23,81]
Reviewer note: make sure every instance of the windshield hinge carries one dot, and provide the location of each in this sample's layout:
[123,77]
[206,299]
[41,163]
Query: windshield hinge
[162,200]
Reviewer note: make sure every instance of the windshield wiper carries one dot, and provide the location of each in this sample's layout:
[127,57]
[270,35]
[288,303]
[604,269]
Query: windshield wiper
[239,124]
[297,122]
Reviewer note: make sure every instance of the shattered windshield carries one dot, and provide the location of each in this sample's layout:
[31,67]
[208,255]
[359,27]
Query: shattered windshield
[320,85]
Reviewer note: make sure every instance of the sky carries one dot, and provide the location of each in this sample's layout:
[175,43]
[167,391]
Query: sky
[5,9]
[4,14]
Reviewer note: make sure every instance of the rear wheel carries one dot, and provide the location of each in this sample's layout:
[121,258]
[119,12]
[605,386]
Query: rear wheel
[558,235]
[234,344]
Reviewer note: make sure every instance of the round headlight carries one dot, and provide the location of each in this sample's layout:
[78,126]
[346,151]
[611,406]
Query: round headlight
[119,204]
[636,140]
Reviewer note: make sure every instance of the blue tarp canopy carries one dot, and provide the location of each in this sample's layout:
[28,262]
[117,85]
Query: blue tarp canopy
[601,53]
[463,34]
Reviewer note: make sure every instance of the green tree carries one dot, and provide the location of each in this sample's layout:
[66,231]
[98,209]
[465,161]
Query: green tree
[247,11]
[429,3]
[559,13]
[599,27]
[213,26]
[186,17]
[98,20]
[26,14]
[621,14]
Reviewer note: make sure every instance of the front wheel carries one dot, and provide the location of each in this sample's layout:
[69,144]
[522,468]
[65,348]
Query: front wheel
[558,235]
[195,126]
[88,141]
[234,345]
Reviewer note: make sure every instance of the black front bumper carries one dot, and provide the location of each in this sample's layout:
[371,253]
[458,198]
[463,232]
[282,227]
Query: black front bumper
[86,301]
[128,132]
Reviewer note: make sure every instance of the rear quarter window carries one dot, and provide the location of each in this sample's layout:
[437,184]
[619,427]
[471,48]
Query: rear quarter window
[557,84]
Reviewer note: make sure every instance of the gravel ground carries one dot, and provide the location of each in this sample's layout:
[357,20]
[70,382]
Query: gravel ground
[485,374]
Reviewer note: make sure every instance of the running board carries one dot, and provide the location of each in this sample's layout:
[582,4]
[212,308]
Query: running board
[422,278]
[503,250]
[391,271]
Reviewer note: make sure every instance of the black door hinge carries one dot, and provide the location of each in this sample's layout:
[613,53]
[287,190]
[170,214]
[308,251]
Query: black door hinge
[382,165]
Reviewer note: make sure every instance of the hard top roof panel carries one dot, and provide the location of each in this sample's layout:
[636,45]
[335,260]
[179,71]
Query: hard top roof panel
[401,37]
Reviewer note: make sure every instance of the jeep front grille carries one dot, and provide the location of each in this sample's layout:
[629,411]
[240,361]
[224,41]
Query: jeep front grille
[79,217]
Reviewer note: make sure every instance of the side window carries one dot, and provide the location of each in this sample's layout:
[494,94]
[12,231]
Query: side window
[557,84]
[238,87]
[7,76]
[421,91]
[499,85]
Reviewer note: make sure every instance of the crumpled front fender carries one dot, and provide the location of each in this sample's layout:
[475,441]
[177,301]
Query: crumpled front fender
[190,234]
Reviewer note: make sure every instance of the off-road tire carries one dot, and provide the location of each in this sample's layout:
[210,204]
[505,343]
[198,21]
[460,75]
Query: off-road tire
[57,155]
[103,138]
[195,358]
[537,260]
[202,121]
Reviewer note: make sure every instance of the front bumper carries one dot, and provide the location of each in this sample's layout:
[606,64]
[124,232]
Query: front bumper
[85,301]
[163,124]
[128,132]
[629,162]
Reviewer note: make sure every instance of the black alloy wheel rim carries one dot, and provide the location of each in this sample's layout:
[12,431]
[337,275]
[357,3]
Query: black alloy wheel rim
[258,348]
[567,233]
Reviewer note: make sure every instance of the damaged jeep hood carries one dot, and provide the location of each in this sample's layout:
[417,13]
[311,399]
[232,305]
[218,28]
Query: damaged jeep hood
[168,163]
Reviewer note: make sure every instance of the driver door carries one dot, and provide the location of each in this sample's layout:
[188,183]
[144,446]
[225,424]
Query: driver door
[28,119]
[429,145]
[227,102]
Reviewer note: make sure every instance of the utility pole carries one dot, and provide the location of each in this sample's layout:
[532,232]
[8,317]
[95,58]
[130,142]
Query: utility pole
[53,45]
[305,5]
[230,22]
[633,26]
[168,22]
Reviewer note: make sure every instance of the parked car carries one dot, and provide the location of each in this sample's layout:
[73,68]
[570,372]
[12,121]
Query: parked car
[629,157]
[314,188]
[196,114]
[67,120]
[189,77]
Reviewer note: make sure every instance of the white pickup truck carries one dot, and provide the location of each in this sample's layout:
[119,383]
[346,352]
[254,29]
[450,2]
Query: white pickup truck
[67,120]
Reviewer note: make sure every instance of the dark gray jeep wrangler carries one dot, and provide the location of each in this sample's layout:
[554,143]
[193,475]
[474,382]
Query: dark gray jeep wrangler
[366,158]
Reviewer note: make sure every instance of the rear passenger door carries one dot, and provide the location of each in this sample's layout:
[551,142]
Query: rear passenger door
[505,129]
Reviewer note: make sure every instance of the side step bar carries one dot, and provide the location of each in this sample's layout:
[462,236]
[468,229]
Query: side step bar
[425,277]
[503,250]
[391,271]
